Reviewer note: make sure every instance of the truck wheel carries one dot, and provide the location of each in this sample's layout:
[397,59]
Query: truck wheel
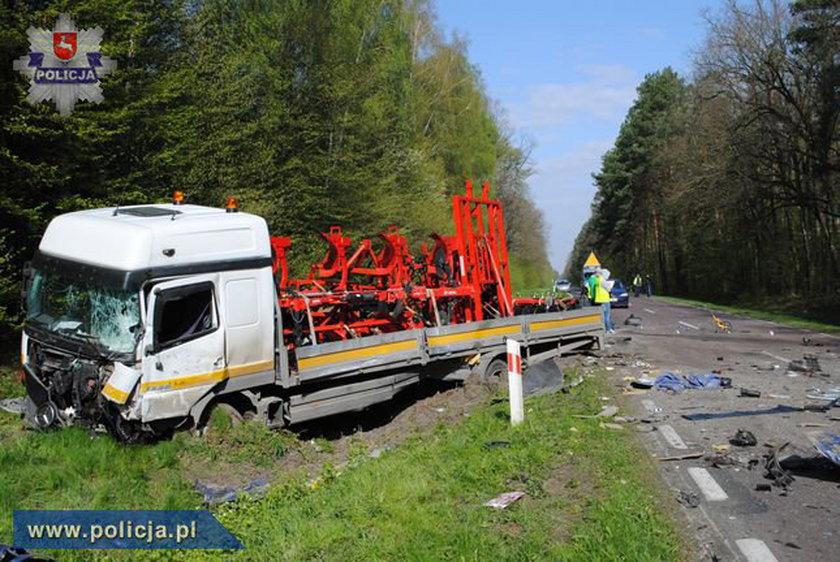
[220,418]
[495,372]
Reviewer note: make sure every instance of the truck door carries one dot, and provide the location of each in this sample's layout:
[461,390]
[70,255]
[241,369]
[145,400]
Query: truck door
[184,342]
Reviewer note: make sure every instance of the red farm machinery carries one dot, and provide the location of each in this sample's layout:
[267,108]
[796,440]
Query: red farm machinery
[380,287]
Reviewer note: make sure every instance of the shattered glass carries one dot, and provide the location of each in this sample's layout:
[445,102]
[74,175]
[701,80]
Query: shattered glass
[83,310]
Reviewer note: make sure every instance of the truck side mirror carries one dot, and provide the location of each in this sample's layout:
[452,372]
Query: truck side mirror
[149,350]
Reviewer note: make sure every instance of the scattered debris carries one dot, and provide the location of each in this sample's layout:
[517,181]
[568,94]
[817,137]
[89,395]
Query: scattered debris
[670,381]
[684,456]
[779,396]
[722,325]
[721,447]
[503,501]
[774,471]
[779,409]
[749,393]
[214,494]
[14,405]
[612,426]
[762,487]
[633,320]
[830,395]
[607,412]
[828,444]
[744,438]
[688,499]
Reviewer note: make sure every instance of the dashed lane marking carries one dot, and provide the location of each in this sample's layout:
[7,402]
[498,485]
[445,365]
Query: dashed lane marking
[687,325]
[671,437]
[776,357]
[707,484]
[755,550]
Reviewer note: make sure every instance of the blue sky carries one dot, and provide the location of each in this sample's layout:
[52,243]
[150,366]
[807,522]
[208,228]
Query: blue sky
[565,73]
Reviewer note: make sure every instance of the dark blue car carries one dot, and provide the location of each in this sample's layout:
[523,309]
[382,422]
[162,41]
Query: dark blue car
[619,297]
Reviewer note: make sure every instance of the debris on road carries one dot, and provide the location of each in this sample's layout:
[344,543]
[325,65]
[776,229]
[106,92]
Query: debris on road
[504,500]
[633,320]
[761,487]
[749,393]
[722,325]
[214,494]
[684,456]
[774,471]
[779,409]
[688,499]
[607,412]
[670,381]
[828,445]
[744,438]
[14,405]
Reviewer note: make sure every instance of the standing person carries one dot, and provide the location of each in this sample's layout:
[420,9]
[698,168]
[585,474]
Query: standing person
[648,285]
[602,297]
[637,285]
[591,281]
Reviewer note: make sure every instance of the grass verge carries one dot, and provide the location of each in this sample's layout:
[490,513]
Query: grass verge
[770,315]
[589,495]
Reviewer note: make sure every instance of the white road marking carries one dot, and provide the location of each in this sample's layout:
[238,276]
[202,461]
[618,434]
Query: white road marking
[650,311]
[755,550]
[687,325]
[651,407]
[710,488]
[671,437]
[776,357]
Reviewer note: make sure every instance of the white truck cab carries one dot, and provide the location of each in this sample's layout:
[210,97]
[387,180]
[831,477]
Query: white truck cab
[147,307]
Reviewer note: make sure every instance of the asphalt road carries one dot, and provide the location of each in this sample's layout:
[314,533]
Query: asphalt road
[734,520]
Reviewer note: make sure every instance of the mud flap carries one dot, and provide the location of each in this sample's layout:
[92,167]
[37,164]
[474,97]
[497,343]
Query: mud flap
[544,377]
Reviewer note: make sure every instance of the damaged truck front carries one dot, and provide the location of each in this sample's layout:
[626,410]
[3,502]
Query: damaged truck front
[82,322]
[134,314]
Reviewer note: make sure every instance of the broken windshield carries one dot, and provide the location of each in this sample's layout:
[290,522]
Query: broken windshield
[81,309]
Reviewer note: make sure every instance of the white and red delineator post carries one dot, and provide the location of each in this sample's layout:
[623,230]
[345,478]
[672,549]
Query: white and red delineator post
[514,361]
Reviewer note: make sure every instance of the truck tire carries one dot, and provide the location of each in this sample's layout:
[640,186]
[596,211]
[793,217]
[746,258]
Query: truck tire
[495,372]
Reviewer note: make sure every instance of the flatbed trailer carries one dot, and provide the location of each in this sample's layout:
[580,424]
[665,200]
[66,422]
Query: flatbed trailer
[144,318]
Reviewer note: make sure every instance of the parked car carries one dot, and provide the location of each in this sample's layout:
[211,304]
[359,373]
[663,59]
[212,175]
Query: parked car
[563,285]
[619,297]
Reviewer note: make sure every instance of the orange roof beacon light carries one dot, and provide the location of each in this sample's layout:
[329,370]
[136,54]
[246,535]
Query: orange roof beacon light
[178,198]
[232,205]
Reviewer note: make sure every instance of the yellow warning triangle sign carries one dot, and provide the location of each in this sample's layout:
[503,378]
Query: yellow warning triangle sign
[592,261]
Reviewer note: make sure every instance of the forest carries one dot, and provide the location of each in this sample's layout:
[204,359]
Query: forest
[362,113]
[724,186]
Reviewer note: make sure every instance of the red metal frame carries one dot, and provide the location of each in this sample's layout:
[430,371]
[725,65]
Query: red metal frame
[381,288]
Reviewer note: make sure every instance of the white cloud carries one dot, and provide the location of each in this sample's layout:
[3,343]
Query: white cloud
[604,95]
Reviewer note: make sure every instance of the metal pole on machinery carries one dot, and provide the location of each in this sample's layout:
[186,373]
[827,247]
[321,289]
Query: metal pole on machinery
[514,361]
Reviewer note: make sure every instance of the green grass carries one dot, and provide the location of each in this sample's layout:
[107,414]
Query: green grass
[770,315]
[589,491]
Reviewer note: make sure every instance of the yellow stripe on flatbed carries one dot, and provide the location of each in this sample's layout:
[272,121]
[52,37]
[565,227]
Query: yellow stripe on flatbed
[564,323]
[474,335]
[341,356]
[207,378]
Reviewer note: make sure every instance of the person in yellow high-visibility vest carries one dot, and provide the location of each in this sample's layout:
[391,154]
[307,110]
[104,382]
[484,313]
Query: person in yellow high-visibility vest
[602,297]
